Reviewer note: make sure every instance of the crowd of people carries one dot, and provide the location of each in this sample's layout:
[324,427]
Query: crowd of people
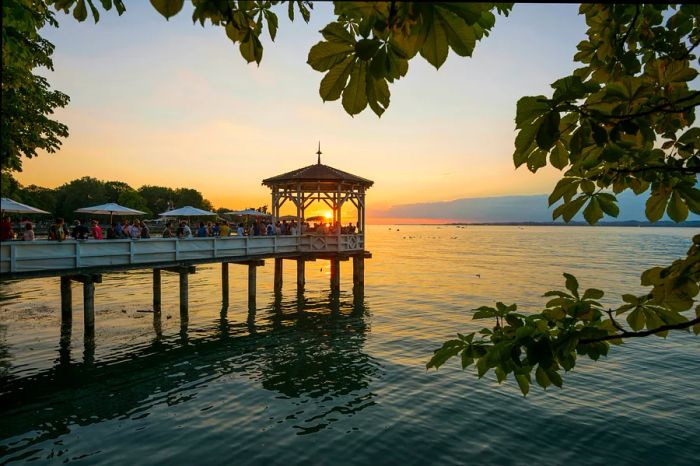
[136,229]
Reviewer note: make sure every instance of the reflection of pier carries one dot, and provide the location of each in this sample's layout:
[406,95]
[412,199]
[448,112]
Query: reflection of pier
[86,261]
[296,348]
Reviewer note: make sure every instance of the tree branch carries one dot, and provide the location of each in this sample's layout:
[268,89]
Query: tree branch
[643,333]
[664,168]
[629,30]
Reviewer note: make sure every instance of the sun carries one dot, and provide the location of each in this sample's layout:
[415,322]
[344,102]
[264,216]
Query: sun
[328,215]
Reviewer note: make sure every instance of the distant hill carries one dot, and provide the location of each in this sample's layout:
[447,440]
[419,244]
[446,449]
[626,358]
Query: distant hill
[511,209]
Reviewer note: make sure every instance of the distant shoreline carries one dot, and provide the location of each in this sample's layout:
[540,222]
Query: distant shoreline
[631,223]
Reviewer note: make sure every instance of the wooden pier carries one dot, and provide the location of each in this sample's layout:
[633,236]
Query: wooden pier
[86,261]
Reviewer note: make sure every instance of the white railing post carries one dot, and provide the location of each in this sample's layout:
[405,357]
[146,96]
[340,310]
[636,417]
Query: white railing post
[131,251]
[274,244]
[13,258]
[177,249]
[214,248]
[77,254]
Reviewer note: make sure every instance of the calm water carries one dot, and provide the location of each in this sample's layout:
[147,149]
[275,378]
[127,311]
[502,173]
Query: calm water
[328,380]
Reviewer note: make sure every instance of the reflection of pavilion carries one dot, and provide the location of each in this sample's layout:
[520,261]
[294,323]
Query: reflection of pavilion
[297,349]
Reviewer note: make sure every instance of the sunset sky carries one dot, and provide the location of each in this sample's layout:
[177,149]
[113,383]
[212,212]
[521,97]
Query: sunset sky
[170,103]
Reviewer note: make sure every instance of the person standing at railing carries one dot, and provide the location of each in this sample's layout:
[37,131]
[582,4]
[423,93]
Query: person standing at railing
[135,230]
[112,231]
[58,231]
[168,232]
[240,231]
[145,232]
[96,230]
[6,233]
[28,232]
[224,230]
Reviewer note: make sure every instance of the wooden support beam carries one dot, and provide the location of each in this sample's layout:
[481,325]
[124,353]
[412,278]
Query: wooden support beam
[156,290]
[66,300]
[224,283]
[335,275]
[301,279]
[278,275]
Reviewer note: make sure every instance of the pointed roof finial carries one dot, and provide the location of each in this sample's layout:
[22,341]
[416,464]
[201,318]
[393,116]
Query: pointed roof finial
[319,152]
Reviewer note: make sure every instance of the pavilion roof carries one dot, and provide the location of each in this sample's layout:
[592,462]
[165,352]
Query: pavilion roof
[317,173]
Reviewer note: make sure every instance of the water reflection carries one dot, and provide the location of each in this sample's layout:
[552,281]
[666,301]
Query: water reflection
[296,348]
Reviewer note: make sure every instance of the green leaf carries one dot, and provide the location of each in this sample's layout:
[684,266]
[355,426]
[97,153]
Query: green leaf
[435,48]
[571,284]
[559,157]
[548,132]
[272,24]
[324,55]
[366,48]
[459,36]
[636,319]
[593,293]
[79,13]
[336,32]
[355,94]
[524,144]
[656,205]
[607,203]
[677,209]
[523,382]
[529,109]
[169,8]
[377,94]
[251,49]
[593,212]
[334,82]
[554,377]
[542,378]
[570,209]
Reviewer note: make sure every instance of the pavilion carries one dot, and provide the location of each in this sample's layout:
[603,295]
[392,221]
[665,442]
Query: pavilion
[322,183]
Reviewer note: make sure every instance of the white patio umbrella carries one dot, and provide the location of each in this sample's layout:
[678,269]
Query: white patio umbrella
[289,218]
[187,211]
[110,209]
[14,207]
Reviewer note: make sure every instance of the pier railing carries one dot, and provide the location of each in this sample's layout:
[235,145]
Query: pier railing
[19,257]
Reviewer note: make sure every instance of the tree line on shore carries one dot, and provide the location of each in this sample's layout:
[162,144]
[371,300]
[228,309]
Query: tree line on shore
[87,191]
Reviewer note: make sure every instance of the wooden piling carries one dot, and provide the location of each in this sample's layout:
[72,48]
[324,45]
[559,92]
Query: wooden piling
[184,294]
[278,276]
[156,290]
[252,269]
[301,279]
[224,284]
[66,300]
[89,306]
[335,274]
[358,271]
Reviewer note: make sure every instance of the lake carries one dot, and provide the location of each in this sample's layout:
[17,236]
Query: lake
[322,379]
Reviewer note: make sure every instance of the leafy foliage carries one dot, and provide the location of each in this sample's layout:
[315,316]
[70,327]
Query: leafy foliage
[621,121]
[27,99]
[624,119]
[573,324]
